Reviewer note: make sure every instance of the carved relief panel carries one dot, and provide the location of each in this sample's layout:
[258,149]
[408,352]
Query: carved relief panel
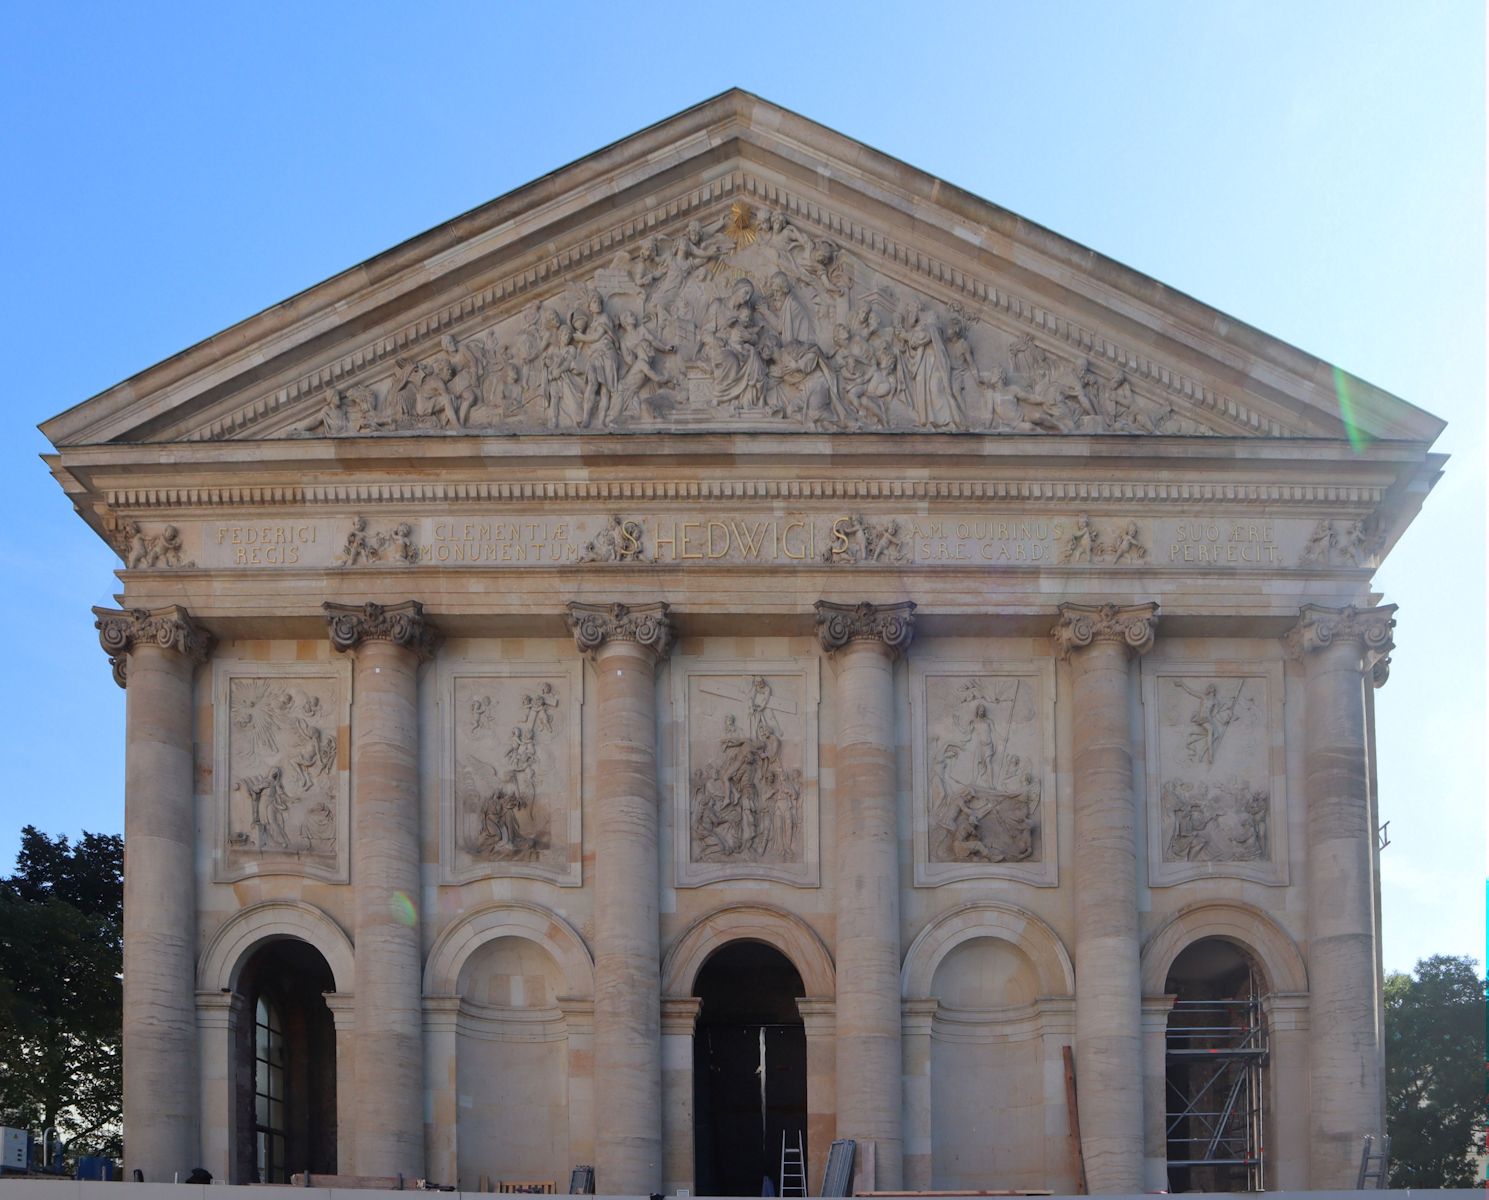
[280,769]
[1216,771]
[984,783]
[510,771]
[746,771]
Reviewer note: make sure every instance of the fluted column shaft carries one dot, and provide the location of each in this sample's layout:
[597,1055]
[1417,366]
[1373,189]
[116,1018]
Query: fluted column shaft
[625,644]
[388,1113]
[1339,648]
[155,652]
[864,641]
[1108,992]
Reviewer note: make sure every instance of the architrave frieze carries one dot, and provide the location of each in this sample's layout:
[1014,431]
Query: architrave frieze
[1070,491]
[544,280]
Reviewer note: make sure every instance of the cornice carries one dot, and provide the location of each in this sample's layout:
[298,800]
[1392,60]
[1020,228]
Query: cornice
[541,279]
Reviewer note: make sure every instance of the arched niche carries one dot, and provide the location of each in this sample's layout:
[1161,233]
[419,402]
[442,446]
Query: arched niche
[514,919]
[229,948]
[766,923]
[988,919]
[1248,927]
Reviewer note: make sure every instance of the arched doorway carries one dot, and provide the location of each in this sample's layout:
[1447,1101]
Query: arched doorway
[749,1069]
[1214,1070]
[285,1065]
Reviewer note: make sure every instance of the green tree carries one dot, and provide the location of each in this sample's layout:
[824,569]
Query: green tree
[61,949]
[1435,1026]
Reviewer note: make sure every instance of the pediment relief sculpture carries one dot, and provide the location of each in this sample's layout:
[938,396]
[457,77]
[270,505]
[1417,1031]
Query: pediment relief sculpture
[743,320]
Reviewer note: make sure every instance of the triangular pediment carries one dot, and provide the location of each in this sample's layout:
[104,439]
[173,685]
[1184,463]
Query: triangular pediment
[736,268]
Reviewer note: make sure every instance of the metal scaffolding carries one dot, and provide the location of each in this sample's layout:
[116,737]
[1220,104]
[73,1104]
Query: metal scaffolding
[1214,1054]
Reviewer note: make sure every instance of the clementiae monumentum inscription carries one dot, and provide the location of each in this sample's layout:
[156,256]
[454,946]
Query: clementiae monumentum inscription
[867,538]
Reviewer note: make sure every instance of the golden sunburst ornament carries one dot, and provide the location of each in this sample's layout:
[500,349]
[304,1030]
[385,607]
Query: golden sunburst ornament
[740,225]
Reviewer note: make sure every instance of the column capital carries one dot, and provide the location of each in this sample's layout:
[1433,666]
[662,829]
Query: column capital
[121,630]
[840,624]
[1319,627]
[1081,625]
[648,625]
[401,624]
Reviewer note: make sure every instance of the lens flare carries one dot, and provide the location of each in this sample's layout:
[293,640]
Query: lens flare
[403,908]
[1358,438]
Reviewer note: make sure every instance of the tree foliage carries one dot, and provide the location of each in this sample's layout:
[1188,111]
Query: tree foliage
[61,950]
[1435,1061]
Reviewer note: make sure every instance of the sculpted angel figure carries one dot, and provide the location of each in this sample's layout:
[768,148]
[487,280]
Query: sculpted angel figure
[1127,544]
[358,547]
[316,754]
[638,348]
[594,333]
[791,247]
[466,369]
[1316,549]
[333,419]
[1211,718]
[269,802]
[1081,541]
[927,369]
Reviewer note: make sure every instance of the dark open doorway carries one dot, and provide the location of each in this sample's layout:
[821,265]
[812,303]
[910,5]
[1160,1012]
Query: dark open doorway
[749,1070]
[1215,1071]
[285,1068]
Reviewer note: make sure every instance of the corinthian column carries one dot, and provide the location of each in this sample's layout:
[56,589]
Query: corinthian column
[864,640]
[1098,641]
[154,653]
[1341,648]
[387,644]
[625,643]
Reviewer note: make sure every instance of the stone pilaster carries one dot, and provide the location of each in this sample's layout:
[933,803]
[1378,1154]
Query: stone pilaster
[864,640]
[625,643]
[343,1006]
[819,1018]
[1342,650]
[1098,641]
[679,1019]
[156,653]
[387,644]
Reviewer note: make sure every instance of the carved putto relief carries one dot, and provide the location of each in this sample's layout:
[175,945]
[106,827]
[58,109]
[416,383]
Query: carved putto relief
[364,546]
[621,540]
[743,318]
[148,551]
[511,806]
[1085,543]
[747,807]
[857,539]
[1215,773]
[1344,544]
[983,786]
[280,773]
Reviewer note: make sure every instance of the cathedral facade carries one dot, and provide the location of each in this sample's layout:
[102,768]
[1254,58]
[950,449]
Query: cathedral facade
[735,645]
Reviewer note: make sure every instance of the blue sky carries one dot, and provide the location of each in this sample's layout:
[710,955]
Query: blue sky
[1315,169]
